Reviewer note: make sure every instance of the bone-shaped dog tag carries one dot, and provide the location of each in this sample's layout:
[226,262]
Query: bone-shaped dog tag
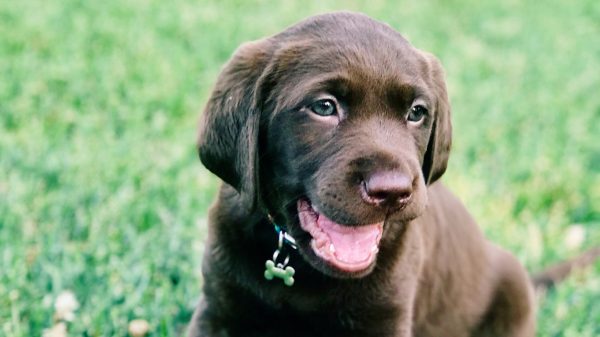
[286,274]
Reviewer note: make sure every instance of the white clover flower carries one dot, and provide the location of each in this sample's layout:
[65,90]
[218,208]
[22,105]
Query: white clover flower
[574,236]
[65,305]
[138,328]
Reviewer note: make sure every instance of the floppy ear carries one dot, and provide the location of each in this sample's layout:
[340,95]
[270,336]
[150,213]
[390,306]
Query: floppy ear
[440,140]
[228,133]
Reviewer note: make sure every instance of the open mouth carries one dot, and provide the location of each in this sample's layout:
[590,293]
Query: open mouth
[347,248]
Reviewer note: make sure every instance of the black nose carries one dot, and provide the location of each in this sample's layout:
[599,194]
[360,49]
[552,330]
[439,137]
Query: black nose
[387,188]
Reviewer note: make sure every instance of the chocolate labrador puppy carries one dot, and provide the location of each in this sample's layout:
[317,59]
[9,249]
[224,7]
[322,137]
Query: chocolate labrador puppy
[329,138]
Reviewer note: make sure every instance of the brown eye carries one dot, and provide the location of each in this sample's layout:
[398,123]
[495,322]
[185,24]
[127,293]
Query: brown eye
[324,107]
[416,113]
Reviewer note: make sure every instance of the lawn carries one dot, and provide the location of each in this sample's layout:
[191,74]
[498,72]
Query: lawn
[101,192]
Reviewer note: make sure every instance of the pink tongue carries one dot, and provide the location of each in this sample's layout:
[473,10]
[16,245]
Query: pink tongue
[352,244]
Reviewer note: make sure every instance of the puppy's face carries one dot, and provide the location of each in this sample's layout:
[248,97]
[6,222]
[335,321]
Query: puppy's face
[351,124]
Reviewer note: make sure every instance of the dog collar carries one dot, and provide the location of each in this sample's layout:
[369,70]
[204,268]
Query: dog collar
[285,236]
[280,269]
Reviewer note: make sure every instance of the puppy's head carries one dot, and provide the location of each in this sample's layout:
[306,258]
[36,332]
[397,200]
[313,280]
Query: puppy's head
[335,127]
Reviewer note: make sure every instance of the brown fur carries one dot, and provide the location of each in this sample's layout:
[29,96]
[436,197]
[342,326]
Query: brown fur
[435,274]
[558,272]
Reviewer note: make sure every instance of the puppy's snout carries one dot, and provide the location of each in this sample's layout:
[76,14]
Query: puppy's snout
[387,188]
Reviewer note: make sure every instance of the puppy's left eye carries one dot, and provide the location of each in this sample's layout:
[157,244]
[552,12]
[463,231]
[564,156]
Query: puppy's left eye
[416,113]
[324,107]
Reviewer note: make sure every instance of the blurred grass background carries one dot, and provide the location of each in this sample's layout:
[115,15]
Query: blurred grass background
[101,192]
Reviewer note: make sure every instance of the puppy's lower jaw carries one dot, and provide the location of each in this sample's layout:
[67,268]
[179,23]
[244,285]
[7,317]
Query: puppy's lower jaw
[348,249]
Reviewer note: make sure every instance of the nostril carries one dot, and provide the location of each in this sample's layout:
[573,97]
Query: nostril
[387,188]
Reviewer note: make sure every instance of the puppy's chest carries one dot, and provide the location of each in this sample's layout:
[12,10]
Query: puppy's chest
[315,324]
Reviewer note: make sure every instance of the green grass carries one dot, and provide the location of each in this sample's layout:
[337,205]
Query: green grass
[101,192]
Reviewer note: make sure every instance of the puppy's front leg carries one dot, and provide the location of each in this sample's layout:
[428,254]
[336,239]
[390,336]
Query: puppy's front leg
[511,312]
[200,326]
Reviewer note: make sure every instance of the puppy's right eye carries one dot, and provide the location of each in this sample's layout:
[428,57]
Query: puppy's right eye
[324,107]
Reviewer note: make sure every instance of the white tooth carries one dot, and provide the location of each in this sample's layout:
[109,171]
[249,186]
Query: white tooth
[375,250]
[331,248]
